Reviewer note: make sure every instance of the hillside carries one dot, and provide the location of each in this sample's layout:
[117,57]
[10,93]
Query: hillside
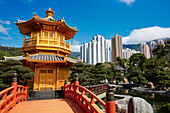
[9,51]
[137,46]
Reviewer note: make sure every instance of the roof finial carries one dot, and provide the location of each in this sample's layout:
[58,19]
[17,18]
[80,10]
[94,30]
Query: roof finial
[35,15]
[49,13]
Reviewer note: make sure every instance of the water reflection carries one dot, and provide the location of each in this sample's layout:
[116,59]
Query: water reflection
[126,91]
[154,99]
[152,95]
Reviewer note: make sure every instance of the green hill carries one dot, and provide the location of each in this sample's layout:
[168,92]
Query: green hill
[10,51]
[137,46]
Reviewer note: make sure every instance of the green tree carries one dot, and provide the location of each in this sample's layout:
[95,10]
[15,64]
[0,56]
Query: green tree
[99,72]
[9,67]
[157,68]
[138,60]
[110,70]
[80,69]
[136,75]
[90,75]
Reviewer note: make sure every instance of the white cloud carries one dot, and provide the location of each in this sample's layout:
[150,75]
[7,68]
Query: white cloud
[7,22]
[4,30]
[75,42]
[75,47]
[146,34]
[128,2]
[6,38]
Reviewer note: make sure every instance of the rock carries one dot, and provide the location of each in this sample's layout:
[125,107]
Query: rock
[122,103]
[120,110]
[139,105]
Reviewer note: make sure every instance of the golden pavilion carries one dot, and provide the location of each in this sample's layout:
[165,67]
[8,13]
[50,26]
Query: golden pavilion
[46,50]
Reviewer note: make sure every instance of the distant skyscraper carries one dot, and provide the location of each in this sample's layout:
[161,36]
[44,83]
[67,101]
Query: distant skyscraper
[116,45]
[161,42]
[152,46]
[145,50]
[127,53]
[96,51]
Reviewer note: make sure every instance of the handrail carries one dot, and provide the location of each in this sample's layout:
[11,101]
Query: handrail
[12,96]
[77,93]
[97,89]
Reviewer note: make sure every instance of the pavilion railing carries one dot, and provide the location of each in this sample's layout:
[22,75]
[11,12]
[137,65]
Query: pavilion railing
[86,99]
[12,96]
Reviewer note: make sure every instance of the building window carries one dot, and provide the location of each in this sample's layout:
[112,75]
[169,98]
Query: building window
[51,34]
[50,71]
[42,71]
[45,33]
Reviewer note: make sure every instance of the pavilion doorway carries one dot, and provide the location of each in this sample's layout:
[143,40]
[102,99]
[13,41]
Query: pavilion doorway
[46,79]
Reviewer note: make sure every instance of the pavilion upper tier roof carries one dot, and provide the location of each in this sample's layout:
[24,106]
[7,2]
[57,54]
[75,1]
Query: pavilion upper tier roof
[37,23]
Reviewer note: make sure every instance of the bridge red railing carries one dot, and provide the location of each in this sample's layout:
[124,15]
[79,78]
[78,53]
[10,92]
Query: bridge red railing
[79,95]
[86,99]
[12,96]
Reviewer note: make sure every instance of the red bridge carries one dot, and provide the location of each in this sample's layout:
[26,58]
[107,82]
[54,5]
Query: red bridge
[77,99]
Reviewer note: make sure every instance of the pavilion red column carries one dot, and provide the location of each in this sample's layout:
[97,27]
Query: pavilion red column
[110,103]
[14,83]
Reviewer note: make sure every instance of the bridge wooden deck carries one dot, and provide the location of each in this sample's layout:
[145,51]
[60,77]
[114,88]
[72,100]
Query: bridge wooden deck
[47,106]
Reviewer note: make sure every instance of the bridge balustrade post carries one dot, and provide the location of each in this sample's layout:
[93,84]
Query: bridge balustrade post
[26,90]
[14,83]
[110,103]
[65,84]
[76,82]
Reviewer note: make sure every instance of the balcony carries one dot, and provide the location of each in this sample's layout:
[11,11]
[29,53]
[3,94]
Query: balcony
[29,42]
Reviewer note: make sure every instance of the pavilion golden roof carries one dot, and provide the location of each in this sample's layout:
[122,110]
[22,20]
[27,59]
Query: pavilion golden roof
[37,23]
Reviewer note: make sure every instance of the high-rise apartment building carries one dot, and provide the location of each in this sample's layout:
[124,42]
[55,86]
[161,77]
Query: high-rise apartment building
[116,45]
[152,46]
[145,50]
[161,42]
[127,53]
[96,51]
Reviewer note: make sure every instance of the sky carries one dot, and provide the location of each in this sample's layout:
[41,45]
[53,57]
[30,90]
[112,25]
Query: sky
[136,21]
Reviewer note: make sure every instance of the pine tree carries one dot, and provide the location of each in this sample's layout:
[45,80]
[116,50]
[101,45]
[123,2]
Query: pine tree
[8,68]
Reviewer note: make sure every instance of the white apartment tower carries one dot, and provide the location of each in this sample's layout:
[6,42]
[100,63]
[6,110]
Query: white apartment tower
[161,42]
[96,51]
[152,46]
[127,53]
[145,50]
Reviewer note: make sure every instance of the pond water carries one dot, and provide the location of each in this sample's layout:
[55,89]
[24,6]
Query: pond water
[154,99]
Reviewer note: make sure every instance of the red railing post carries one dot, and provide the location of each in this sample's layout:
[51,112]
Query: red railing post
[65,84]
[14,83]
[110,103]
[26,92]
[76,82]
